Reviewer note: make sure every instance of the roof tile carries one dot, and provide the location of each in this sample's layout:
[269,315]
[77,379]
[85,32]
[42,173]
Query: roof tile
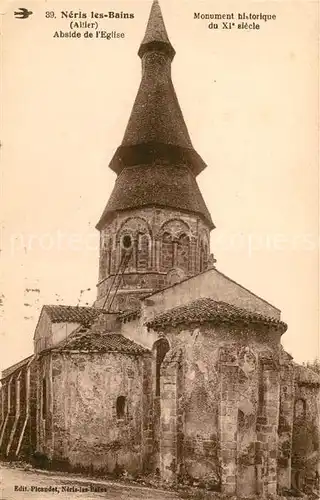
[209,310]
[72,314]
[100,341]
[17,366]
[172,187]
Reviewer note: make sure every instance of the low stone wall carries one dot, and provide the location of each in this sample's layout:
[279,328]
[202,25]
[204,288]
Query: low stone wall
[94,417]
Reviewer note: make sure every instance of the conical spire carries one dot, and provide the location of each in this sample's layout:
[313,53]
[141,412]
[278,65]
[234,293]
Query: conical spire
[156,129]
[156,36]
[156,162]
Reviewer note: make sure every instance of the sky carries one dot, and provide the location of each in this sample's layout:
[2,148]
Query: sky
[250,101]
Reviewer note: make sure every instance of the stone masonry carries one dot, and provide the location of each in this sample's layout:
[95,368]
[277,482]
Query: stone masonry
[176,371]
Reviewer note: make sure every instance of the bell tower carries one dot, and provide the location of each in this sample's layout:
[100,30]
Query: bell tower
[155,228]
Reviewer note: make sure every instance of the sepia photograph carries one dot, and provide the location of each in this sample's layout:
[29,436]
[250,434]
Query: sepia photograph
[159,298]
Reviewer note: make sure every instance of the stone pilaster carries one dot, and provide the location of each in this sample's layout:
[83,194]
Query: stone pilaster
[171,418]
[147,418]
[228,420]
[267,425]
[287,390]
[157,245]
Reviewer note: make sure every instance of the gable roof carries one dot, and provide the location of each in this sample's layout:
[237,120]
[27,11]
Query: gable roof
[205,272]
[11,369]
[72,314]
[306,376]
[98,340]
[209,310]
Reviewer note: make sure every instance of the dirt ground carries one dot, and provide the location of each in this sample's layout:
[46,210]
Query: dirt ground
[20,484]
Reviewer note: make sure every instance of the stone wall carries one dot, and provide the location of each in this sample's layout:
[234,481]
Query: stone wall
[17,427]
[48,334]
[285,426]
[219,408]
[198,411]
[158,242]
[249,416]
[45,405]
[42,334]
[96,404]
[60,331]
[305,439]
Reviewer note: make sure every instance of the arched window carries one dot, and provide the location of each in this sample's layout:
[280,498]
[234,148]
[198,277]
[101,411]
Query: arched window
[300,408]
[143,249]
[166,252]
[121,407]
[127,242]
[105,259]
[183,252]
[162,347]
[126,249]
[241,420]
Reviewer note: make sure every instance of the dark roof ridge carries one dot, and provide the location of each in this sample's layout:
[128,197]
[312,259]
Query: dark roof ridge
[158,162]
[149,151]
[70,305]
[171,187]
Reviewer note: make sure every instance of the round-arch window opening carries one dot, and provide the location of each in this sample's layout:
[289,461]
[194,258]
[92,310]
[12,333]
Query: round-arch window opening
[162,347]
[121,406]
[127,242]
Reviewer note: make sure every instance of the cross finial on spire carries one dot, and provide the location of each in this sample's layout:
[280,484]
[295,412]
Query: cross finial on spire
[156,36]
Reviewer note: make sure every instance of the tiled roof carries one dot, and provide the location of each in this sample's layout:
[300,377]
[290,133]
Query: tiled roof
[102,342]
[208,310]
[306,376]
[126,316]
[159,185]
[72,314]
[11,369]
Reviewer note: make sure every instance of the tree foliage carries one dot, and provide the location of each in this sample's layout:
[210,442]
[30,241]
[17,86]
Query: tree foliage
[313,365]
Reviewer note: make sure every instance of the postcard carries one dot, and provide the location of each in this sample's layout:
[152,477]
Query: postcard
[160,249]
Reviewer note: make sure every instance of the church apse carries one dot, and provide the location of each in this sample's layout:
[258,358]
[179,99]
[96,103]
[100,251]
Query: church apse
[176,371]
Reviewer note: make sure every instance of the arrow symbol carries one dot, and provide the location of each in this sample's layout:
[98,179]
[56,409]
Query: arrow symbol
[23,13]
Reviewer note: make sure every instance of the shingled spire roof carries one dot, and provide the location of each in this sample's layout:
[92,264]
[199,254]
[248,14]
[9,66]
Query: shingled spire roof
[156,142]
[156,35]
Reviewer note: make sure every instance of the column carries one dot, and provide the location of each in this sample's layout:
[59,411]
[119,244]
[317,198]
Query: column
[267,425]
[228,417]
[169,418]
[285,425]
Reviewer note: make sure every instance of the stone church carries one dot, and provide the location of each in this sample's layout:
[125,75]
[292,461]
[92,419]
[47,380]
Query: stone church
[176,370]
